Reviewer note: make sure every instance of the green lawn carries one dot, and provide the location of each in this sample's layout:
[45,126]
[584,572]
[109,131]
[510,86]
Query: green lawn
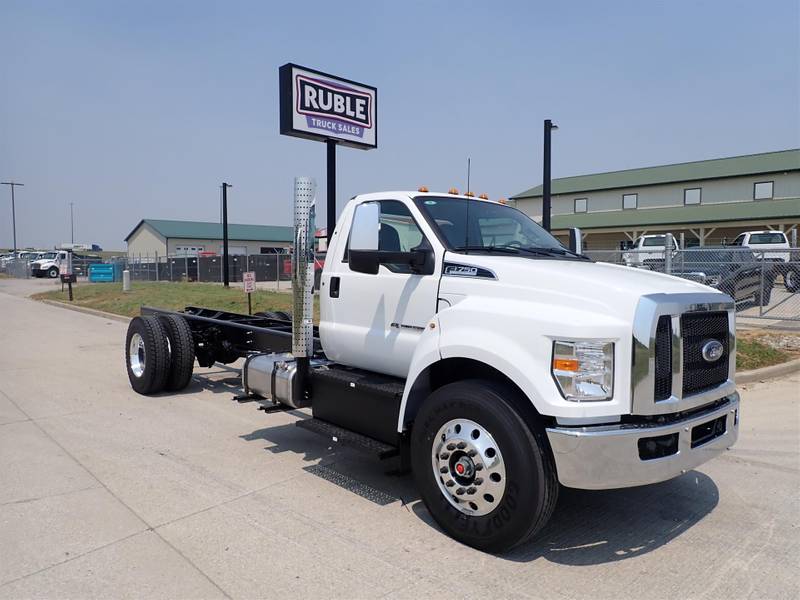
[109,297]
[753,354]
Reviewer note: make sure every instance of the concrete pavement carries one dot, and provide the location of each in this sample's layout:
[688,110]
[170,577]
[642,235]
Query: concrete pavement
[105,493]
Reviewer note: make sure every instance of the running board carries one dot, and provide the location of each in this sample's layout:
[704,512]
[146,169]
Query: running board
[348,438]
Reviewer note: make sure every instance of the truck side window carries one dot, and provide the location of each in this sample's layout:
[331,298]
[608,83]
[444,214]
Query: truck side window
[399,232]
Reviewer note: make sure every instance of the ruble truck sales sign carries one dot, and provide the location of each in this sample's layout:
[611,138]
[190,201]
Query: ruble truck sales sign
[319,106]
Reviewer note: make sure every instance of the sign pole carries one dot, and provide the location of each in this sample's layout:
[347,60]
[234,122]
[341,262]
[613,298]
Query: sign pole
[249,280]
[249,304]
[331,177]
[225,278]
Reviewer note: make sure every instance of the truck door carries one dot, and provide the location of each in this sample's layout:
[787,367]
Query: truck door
[374,321]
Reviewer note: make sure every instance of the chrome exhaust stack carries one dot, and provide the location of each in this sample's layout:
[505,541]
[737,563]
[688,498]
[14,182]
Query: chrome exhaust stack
[283,377]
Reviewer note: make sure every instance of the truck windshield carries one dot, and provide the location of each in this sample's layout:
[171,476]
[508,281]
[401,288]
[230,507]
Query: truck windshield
[479,225]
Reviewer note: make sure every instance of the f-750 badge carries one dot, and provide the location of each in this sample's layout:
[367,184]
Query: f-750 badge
[461,270]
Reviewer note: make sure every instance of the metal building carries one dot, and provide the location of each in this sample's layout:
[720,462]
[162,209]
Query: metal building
[705,202]
[156,237]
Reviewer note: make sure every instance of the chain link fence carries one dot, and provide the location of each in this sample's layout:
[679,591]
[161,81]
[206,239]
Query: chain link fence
[765,284]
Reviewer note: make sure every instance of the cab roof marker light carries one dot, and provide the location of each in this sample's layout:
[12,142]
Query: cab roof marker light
[423,189]
[453,191]
[469,194]
[484,196]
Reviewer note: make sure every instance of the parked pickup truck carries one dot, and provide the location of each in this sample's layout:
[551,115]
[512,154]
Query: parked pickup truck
[647,248]
[463,340]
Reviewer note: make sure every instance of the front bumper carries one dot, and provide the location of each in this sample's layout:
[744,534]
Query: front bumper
[608,456]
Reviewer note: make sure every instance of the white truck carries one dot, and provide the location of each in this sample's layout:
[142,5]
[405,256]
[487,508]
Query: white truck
[768,244]
[648,248]
[49,265]
[459,337]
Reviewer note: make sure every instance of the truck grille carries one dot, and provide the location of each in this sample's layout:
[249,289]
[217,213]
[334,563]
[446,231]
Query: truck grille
[663,383]
[696,330]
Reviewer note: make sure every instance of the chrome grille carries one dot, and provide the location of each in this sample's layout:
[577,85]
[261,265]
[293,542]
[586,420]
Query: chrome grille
[696,330]
[669,374]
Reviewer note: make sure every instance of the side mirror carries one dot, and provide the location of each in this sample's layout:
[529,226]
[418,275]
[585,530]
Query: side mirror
[575,240]
[366,225]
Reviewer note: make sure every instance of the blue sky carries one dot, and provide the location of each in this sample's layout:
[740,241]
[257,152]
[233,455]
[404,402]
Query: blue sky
[141,109]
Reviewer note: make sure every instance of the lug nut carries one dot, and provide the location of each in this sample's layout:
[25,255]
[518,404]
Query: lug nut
[460,491]
[461,445]
[451,447]
[450,483]
[478,481]
[478,467]
[444,455]
[471,491]
[443,470]
[471,453]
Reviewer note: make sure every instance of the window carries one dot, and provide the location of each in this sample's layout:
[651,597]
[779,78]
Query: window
[656,240]
[461,222]
[738,241]
[398,233]
[762,190]
[630,201]
[691,196]
[581,205]
[772,237]
[272,250]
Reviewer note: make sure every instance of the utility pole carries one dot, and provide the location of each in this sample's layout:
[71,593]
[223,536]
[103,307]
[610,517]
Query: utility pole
[548,127]
[331,193]
[13,184]
[71,224]
[225,278]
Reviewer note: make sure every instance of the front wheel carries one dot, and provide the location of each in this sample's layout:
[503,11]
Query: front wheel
[487,479]
[52,272]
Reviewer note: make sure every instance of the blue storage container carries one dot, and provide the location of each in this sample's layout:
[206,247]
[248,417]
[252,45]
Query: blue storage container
[100,273]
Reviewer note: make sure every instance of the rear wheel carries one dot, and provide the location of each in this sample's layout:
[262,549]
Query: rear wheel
[146,355]
[486,477]
[181,351]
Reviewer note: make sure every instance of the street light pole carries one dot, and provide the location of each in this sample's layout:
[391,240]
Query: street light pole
[225,278]
[548,127]
[71,224]
[13,184]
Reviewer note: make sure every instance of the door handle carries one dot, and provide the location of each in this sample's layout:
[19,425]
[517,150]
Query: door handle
[334,288]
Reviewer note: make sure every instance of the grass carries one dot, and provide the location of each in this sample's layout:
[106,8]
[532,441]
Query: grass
[753,354]
[109,297]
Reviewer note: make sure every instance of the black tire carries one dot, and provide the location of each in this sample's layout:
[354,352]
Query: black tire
[283,315]
[791,279]
[531,483]
[152,370]
[267,314]
[52,272]
[181,351]
[764,296]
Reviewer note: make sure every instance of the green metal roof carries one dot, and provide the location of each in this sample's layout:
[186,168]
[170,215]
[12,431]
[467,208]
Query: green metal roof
[703,213]
[751,164]
[213,231]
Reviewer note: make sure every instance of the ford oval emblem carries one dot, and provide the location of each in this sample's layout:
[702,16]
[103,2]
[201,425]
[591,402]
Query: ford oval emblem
[712,351]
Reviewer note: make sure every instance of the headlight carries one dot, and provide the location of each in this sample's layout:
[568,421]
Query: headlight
[584,370]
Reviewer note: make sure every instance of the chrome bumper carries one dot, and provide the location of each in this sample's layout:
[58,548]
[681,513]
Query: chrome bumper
[605,457]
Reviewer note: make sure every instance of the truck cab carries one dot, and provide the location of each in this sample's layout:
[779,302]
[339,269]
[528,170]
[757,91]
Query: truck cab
[49,265]
[458,335]
[768,245]
[648,248]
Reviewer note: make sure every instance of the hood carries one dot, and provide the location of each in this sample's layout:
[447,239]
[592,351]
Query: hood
[603,287]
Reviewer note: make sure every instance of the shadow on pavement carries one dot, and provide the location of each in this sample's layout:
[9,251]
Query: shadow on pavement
[596,527]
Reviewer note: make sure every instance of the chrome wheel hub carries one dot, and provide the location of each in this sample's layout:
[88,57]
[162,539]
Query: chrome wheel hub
[468,466]
[136,355]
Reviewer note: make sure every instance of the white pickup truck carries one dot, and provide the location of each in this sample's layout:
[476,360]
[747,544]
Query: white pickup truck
[460,337]
[648,248]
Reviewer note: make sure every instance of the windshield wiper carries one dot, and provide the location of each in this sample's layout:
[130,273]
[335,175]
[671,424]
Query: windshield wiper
[557,251]
[504,249]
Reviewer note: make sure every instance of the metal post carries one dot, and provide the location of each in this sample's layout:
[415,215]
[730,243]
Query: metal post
[548,127]
[71,224]
[13,184]
[302,284]
[277,273]
[794,237]
[197,258]
[668,243]
[156,266]
[331,182]
[760,294]
[225,276]
[169,260]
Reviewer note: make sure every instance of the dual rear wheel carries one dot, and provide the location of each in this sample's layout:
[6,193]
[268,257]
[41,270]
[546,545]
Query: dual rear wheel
[159,353]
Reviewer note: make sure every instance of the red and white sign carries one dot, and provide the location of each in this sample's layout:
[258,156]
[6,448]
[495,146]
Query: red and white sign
[249,281]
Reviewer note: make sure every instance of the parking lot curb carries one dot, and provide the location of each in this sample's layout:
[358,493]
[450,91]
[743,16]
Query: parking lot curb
[88,311]
[768,372]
